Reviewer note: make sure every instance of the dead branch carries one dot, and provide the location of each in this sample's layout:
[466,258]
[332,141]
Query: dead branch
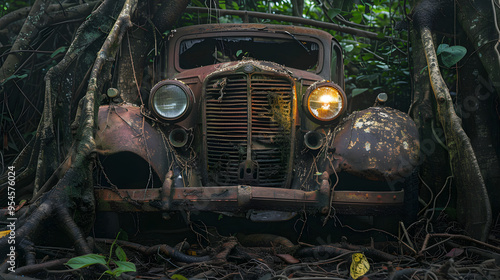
[221,257]
[324,252]
[300,20]
[263,240]
[455,236]
[371,252]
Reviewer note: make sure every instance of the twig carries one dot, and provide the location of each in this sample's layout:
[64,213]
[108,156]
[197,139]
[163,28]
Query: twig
[454,236]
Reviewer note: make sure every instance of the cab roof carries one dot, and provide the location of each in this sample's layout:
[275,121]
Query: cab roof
[252,27]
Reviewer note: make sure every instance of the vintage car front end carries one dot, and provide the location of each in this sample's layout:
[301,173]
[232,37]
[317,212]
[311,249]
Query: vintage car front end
[247,136]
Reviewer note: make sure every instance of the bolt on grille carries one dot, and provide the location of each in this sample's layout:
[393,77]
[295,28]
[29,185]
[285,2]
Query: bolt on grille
[248,129]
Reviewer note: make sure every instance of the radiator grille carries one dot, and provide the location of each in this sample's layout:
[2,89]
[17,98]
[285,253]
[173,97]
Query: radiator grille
[236,106]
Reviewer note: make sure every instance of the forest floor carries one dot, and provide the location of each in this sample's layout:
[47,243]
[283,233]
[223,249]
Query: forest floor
[421,251]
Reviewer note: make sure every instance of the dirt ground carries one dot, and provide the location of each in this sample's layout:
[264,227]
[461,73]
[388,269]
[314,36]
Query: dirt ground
[423,250]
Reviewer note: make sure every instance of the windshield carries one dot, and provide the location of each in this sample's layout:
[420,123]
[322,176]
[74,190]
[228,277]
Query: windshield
[291,52]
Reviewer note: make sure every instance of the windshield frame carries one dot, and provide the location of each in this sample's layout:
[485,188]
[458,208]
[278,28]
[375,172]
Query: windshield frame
[275,35]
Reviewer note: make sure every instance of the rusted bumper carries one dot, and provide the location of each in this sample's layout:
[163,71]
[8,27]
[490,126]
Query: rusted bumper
[243,198]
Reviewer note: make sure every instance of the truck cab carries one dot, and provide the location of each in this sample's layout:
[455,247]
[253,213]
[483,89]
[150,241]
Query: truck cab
[251,120]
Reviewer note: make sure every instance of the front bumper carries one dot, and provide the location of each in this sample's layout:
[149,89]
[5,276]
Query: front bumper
[240,199]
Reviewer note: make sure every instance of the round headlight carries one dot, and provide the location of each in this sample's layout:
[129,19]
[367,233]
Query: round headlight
[325,102]
[171,99]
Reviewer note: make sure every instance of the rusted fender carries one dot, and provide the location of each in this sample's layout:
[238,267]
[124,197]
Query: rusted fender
[378,143]
[122,128]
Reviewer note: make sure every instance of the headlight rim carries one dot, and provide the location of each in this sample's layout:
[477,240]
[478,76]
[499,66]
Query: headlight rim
[187,91]
[307,109]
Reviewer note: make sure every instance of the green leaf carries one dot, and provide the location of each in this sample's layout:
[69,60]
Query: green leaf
[178,277]
[423,69]
[451,55]
[120,254]
[358,91]
[370,78]
[238,52]
[59,50]
[123,267]
[86,260]
[334,12]
[441,48]
[15,76]
[349,48]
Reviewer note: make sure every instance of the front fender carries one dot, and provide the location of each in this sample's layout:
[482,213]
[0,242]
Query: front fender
[122,128]
[378,143]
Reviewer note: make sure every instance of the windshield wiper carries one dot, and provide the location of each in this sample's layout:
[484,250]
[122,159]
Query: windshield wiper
[296,40]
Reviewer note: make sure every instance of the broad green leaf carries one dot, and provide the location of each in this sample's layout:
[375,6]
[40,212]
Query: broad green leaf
[334,12]
[123,267]
[358,91]
[441,47]
[86,260]
[367,56]
[349,48]
[451,55]
[120,254]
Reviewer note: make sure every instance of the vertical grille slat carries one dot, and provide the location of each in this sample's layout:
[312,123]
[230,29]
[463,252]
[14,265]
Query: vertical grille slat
[228,122]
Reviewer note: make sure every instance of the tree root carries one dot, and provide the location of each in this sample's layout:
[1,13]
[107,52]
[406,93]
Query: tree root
[473,203]
[73,191]
[34,268]
[156,249]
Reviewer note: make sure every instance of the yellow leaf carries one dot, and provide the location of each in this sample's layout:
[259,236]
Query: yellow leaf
[4,233]
[359,265]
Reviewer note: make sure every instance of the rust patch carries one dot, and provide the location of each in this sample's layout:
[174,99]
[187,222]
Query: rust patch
[123,129]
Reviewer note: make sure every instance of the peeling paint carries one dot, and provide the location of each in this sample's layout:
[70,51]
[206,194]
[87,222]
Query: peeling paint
[367,146]
[384,147]
[405,145]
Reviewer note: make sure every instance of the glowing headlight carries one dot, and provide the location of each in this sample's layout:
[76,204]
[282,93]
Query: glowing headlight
[325,102]
[171,99]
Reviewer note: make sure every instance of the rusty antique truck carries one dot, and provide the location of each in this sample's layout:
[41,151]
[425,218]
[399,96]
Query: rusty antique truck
[250,120]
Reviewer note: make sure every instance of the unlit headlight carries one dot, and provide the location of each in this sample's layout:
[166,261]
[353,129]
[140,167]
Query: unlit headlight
[171,100]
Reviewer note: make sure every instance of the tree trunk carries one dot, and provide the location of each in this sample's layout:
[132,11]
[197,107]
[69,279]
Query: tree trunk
[433,154]
[477,105]
[478,21]
[139,43]
[473,205]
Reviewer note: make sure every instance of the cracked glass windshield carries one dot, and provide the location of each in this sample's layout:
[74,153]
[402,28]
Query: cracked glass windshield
[291,52]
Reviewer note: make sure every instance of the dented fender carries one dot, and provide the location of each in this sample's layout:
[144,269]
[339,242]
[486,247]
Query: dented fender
[378,143]
[122,128]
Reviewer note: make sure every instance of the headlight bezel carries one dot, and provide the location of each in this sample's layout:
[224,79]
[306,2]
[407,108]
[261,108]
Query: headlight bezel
[189,100]
[306,102]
